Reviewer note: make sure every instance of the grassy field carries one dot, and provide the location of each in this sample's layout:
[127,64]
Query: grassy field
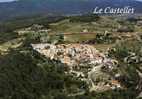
[79,37]
[12,44]
[76,31]
[104,24]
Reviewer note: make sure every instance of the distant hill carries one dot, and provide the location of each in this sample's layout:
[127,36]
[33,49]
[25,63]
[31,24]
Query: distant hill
[59,7]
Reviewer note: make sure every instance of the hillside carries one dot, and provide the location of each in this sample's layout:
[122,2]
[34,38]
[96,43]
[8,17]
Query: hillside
[62,7]
[76,57]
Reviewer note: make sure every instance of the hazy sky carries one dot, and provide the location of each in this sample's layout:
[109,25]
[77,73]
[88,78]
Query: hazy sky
[14,0]
[6,0]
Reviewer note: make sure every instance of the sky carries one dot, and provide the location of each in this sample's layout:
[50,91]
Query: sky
[6,0]
[15,0]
